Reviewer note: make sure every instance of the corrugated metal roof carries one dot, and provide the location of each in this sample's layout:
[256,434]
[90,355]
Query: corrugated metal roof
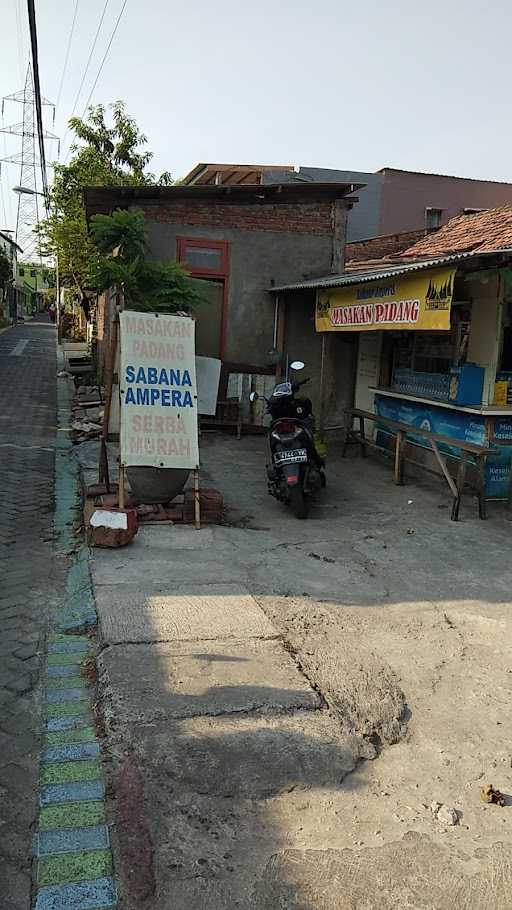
[359,277]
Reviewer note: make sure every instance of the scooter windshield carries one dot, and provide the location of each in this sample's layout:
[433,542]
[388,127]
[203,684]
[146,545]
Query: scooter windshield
[284,388]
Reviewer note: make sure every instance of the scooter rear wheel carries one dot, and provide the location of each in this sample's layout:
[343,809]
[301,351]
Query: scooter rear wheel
[299,502]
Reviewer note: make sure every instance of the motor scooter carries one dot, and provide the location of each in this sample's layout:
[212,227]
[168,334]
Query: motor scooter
[296,471]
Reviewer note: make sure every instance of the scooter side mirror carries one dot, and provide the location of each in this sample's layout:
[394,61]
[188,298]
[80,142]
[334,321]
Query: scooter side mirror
[297,365]
[253,397]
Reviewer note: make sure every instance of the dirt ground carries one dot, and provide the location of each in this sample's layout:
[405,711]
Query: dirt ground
[385,585]
[399,622]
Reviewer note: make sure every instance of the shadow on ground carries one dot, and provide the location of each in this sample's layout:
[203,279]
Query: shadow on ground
[243,685]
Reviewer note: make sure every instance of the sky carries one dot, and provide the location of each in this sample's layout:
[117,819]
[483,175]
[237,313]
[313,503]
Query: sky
[360,85]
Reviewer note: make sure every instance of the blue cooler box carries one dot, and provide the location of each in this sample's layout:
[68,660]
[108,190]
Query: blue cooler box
[466,384]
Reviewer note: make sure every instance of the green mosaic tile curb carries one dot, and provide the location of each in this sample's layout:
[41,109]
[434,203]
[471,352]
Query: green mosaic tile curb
[68,771]
[66,737]
[60,660]
[84,873]
[74,867]
[72,815]
[66,682]
[67,708]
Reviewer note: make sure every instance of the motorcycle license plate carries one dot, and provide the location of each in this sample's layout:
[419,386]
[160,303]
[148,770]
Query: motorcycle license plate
[291,456]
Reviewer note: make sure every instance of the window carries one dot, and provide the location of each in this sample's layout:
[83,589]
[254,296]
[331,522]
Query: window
[433,218]
[33,273]
[21,272]
[203,257]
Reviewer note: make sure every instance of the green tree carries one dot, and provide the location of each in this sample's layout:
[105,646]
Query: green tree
[104,153]
[121,241]
[5,269]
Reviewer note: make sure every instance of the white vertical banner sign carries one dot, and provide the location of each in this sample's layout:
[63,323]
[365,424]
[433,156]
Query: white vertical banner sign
[158,391]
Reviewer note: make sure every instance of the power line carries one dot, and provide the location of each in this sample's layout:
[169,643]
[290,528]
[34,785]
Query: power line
[66,59]
[93,47]
[109,45]
[19,31]
[105,55]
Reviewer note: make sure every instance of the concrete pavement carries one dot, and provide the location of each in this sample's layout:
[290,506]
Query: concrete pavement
[283,700]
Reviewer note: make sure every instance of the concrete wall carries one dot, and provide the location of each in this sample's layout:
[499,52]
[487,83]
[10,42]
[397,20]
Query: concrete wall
[406,195]
[393,201]
[257,259]
[302,342]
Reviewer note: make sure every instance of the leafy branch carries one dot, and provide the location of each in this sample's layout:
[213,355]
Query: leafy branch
[123,260]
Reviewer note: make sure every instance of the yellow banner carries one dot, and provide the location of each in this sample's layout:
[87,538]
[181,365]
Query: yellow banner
[415,302]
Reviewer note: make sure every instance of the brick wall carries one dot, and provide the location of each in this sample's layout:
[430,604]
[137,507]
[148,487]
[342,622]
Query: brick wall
[378,247]
[303,218]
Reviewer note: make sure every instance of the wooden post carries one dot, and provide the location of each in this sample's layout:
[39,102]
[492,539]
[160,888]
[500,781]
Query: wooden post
[400,439]
[321,422]
[121,486]
[442,464]
[197,503]
[362,436]
[460,485]
[482,505]
[103,471]
[349,425]
[280,333]
[121,454]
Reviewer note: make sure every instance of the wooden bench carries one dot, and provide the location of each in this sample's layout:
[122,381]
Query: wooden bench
[468,450]
[228,414]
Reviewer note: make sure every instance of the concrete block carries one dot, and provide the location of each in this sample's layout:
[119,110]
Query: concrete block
[99,894]
[148,683]
[185,613]
[68,793]
[71,840]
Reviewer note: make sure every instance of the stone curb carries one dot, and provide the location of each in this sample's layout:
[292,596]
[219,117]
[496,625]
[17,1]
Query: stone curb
[71,846]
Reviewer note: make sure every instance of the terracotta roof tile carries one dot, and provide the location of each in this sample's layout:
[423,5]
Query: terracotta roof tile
[481,232]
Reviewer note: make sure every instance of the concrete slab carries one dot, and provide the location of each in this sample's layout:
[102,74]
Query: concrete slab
[171,563]
[130,613]
[151,683]
[222,795]
[246,757]
[154,538]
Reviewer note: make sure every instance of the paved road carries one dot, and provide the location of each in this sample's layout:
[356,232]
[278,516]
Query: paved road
[29,581]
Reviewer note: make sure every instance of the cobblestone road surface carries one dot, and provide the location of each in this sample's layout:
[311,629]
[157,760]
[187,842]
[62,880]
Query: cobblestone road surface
[29,582]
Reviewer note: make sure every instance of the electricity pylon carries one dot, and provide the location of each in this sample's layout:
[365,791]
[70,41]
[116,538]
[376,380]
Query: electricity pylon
[27,217]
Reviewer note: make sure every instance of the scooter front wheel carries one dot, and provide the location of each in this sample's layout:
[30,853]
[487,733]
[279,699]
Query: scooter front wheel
[299,502]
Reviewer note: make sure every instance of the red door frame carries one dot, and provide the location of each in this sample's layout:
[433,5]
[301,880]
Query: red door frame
[222,274]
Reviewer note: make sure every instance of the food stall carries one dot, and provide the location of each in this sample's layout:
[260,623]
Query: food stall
[435,350]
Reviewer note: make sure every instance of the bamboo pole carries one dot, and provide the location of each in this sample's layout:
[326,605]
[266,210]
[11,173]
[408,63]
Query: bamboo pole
[197,503]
